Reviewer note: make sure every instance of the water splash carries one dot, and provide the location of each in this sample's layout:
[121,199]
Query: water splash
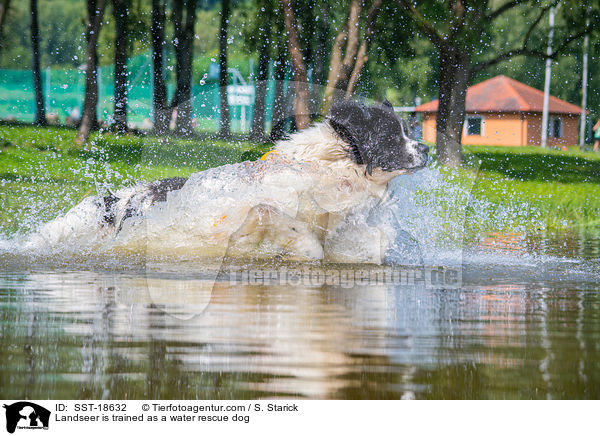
[431,217]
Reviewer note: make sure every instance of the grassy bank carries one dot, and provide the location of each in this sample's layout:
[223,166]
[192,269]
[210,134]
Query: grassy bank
[43,174]
[562,186]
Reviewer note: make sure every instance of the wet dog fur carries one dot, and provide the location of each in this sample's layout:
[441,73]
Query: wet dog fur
[370,142]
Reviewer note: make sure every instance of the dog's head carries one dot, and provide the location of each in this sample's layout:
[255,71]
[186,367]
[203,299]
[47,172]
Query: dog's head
[378,138]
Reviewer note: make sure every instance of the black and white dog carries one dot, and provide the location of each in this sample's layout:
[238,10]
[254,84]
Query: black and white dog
[303,200]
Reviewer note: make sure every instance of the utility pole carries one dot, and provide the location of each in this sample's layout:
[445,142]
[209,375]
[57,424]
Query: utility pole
[547,81]
[584,82]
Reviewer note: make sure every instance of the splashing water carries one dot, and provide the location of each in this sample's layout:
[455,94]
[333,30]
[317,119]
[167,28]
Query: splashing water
[437,208]
[430,217]
[213,206]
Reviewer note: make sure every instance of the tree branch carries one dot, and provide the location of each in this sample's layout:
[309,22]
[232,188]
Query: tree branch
[423,24]
[335,63]
[570,39]
[505,56]
[502,9]
[352,39]
[458,10]
[340,64]
[524,51]
[301,110]
[371,18]
[362,57]
[537,21]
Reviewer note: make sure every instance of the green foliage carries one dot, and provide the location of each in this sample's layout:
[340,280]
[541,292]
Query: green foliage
[502,34]
[402,63]
[566,79]
[62,26]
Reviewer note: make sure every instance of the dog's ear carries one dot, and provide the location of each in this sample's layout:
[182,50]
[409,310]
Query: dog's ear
[349,136]
[349,119]
[386,104]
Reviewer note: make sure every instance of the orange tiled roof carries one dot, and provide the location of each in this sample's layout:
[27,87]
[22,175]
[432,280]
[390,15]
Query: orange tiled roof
[503,94]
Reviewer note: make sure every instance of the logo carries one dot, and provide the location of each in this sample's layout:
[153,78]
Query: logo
[26,415]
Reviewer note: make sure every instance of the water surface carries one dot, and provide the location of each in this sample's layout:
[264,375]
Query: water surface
[524,322]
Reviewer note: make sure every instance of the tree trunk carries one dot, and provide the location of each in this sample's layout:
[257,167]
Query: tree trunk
[306,26]
[159,94]
[454,80]
[121,15]
[352,44]
[322,38]
[362,55]
[341,64]
[301,100]
[257,132]
[184,37]
[89,119]
[40,111]
[361,60]
[224,130]
[335,63]
[3,10]
[278,116]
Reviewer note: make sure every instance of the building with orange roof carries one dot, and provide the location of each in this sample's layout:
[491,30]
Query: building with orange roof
[503,111]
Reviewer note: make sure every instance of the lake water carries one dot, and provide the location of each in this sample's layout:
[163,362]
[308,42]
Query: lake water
[521,321]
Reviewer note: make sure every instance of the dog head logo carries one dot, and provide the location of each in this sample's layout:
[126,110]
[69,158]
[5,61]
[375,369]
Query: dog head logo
[26,415]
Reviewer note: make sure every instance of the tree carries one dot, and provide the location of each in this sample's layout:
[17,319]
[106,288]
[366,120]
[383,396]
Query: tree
[40,111]
[224,130]
[4,5]
[95,13]
[257,132]
[301,100]
[278,115]
[184,19]
[348,53]
[457,29]
[159,88]
[121,15]
[322,33]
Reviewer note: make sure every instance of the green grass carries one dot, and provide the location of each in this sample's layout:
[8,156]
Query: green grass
[563,187]
[42,172]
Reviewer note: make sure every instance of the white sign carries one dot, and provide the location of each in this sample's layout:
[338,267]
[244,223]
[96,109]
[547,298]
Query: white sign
[240,95]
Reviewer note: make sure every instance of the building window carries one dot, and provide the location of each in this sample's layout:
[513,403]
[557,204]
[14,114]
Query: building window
[474,125]
[555,129]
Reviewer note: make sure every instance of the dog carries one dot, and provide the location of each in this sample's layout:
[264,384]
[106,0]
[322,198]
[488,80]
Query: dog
[308,199]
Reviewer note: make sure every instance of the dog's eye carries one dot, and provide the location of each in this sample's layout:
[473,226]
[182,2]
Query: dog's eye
[294,229]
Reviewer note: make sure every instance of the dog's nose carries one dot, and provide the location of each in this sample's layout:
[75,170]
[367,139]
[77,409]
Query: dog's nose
[423,147]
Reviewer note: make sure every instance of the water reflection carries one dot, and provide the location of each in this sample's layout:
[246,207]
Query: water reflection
[583,243]
[94,334]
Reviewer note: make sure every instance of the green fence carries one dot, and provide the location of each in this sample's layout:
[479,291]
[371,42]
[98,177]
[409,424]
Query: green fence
[64,90]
